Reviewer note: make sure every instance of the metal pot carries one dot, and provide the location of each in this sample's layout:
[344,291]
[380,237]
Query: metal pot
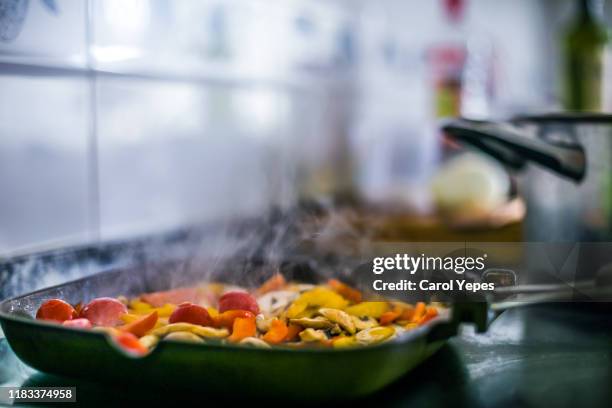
[565,162]
[569,189]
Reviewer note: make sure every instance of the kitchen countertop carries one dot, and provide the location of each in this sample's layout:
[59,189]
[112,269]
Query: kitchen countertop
[550,355]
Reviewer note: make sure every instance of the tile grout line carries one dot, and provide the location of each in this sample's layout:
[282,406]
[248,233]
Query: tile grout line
[93,170]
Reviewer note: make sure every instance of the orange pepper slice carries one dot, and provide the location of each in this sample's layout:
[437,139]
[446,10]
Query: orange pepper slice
[293,330]
[419,312]
[276,282]
[429,314]
[227,318]
[130,343]
[345,290]
[277,333]
[389,317]
[141,326]
[243,327]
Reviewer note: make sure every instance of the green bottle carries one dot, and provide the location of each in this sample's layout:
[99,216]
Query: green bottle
[584,45]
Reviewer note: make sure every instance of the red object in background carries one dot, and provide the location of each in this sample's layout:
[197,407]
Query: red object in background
[454,9]
[56,310]
[104,311]
[190,313]
[238,301]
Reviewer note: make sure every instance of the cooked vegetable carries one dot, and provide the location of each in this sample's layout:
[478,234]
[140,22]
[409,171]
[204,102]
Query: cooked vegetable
[279,313]
[80,323]
[314,299]
[243,327]
[275,283]
[56,310]
[226,319]
[238,301]
[141,326]
[190,313]
[130,343]
[368,309]
[340,317]
[104,311]
[277,333]
[389,317]
[345,291]
[184,336]
[318,322]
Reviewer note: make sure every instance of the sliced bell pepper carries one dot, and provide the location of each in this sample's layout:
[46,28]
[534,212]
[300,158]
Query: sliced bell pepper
[389,317]
[429,314]
[293,332]
[129,342]
[419,312]
[277,333]
[276,282]
[243,327]
[317,297]
[227,318]
[370,309]
[141,326]
[345,290]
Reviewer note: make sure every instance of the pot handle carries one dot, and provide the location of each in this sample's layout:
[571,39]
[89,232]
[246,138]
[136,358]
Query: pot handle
[501,141]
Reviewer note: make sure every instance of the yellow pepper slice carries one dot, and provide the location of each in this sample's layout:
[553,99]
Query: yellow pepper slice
[316,298]
[139,306]
[370,309]
[344,342]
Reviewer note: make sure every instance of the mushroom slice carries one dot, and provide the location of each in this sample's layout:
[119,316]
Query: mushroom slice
[149,341]
[318,322]
[263,323]
[255,342]
[374,335]
[365,322]
[210,332]
[312,335]
[202,331]
[184,336]
[340,317]
[276,300]
[174,327]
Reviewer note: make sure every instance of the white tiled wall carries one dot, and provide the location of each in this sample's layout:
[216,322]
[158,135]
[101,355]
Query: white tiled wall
[50,32]
[121,117]
[44,175]
[171,153]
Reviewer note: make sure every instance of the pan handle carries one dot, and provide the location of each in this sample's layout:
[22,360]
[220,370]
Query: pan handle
[476,313]
[500,141]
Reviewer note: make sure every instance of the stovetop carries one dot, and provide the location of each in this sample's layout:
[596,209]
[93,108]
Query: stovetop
[535,356]
[547,355]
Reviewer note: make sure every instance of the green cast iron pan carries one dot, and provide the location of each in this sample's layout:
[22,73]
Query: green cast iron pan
[304,374]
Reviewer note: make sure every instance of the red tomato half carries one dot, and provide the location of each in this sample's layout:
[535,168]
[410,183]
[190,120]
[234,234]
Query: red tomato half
[104,311]
[238,301]
[80,323]
[57,310]
[190,313]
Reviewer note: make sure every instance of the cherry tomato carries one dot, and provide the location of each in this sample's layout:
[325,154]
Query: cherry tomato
[226,319]
[80,323]
[57,310]
[130,343]
[104,311]
[238,301]
[190,313]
